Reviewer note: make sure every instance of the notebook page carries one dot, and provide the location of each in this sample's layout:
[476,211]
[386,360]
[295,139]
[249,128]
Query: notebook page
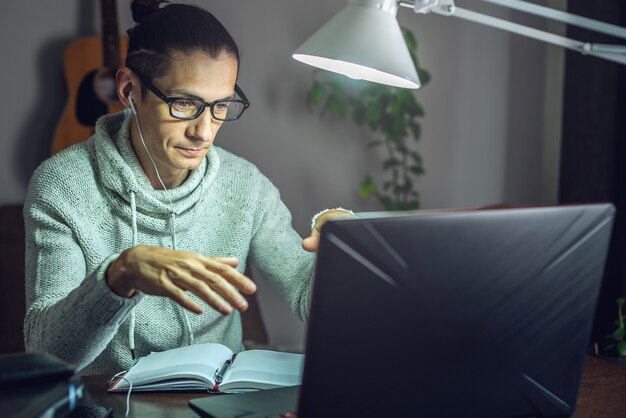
[268,367]
[198,360]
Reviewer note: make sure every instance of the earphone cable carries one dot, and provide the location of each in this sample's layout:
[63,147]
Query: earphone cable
[156,170]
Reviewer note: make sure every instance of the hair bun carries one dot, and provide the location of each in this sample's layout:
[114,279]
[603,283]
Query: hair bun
[141,9]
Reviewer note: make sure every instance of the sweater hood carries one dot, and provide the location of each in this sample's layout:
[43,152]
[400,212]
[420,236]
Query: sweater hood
[119,171]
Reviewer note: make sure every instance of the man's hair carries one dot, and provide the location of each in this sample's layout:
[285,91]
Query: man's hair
[176,27]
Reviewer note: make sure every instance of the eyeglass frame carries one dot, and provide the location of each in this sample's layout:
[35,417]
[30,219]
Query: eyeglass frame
[170,100]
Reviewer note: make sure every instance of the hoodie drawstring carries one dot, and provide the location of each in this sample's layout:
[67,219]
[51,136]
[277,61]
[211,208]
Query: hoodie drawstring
[173,229]
[185,314]
[131,326]
[182,310]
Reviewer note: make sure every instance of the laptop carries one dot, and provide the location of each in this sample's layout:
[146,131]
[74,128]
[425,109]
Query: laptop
[458,313]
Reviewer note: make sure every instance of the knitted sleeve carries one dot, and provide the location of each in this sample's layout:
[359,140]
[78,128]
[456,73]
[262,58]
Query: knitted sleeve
[276,249]
[70,312]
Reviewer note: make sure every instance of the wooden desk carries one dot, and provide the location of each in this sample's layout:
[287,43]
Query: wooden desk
[602,394]
[148,405]
[602,390]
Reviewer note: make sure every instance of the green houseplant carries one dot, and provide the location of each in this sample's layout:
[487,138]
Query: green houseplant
[618,336]
[393,115]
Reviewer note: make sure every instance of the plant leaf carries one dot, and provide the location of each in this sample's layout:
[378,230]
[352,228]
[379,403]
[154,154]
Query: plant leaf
[387,203]
[621,349]
[395,105]
[368,187]
[391,114]
[402,149]
[409,38]
[413,204]
[391,162]
[372,113]
[415,109]
[338,88]
[423,75]
[618,334]
[399,127]
[316,94]
[404,188]
[337,106]
[416,130]
[417,170]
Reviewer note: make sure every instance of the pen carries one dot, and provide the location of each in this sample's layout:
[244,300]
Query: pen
[219,375]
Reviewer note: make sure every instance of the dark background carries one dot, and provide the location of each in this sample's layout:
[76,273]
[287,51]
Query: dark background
[593,147]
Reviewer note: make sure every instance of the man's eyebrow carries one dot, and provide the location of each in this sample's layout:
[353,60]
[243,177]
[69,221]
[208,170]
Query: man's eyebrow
[190,95]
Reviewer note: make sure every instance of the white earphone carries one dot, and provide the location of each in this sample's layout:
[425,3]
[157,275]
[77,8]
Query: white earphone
[156,170]
[132,102]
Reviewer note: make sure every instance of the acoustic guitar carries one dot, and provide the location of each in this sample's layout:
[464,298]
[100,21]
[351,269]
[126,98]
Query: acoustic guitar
[90,66]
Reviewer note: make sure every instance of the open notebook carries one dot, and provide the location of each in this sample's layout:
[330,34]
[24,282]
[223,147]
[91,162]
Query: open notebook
[212,367]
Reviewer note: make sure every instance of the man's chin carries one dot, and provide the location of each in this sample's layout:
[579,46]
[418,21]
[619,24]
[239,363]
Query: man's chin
[192,164]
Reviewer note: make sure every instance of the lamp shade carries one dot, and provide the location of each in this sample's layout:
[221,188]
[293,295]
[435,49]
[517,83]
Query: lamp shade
[364,42]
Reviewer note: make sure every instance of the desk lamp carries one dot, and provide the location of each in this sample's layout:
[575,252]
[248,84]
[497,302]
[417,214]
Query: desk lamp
[364,40]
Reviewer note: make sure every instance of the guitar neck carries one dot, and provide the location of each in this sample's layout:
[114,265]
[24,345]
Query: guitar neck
[110,35]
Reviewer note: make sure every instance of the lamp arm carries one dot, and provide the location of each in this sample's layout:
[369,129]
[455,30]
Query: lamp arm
[615,53]
[569,18]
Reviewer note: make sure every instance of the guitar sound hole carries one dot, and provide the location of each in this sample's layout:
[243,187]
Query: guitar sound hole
[88,106]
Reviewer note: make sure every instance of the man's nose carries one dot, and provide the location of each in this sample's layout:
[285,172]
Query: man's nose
[203,128]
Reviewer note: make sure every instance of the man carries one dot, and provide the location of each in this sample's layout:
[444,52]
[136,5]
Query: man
[147,220]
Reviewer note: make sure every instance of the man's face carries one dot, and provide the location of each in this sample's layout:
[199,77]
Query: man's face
[178,146]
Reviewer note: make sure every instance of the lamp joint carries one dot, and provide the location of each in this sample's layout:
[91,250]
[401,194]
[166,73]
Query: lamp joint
[441,7]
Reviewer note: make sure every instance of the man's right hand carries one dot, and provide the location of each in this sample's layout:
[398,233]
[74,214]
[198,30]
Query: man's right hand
[161,271]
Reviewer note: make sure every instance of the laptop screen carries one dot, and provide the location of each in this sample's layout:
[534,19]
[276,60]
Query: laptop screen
[461,313]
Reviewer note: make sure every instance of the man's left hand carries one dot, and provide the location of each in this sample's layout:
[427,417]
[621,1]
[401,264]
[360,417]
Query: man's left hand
[312,242]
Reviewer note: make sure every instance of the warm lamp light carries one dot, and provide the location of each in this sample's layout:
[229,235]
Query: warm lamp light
[364,40]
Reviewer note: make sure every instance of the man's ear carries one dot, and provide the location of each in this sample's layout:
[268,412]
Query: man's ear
[124,78]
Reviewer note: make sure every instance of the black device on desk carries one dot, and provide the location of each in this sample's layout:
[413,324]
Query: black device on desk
[37,385]
[445,314]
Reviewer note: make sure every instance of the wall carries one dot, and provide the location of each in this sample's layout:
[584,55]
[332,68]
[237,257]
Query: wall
[482,136]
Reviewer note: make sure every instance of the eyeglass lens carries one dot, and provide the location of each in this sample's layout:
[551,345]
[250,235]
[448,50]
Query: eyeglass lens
[222,110]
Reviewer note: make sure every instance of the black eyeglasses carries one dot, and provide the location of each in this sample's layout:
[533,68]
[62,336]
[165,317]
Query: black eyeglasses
[187,108]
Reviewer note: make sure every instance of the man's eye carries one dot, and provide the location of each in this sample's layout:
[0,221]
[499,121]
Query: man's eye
[221,107]
[183,104]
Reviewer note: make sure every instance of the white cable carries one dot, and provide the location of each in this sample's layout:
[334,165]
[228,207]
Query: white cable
[156,170]
[131,333]
[111,383]
[172,226]
[130,388]
[188,325]
[131,325]
[173,230]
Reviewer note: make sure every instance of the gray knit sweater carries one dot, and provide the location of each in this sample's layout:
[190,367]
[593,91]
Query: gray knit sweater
[92,201]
